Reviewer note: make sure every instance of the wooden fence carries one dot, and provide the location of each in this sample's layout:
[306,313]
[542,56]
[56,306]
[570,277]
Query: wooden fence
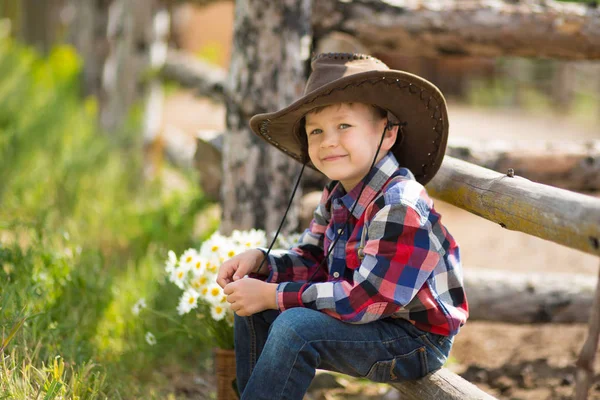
[558,215]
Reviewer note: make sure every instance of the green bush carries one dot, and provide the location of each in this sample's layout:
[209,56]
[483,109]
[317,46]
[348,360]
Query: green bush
[82,238]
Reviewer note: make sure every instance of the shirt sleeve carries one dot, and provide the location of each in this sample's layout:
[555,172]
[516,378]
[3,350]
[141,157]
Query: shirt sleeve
[401,253]
[300,262]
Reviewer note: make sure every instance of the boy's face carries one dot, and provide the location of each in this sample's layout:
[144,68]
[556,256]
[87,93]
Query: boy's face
[343,140]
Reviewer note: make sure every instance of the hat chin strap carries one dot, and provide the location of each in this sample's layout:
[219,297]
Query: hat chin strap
[388,126]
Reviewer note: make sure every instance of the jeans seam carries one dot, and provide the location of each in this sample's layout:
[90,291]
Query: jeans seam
[252,343]
[425,339]
[291,369]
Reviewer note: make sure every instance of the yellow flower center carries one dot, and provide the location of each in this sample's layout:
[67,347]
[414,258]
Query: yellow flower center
[180,274]
[219,309]
[215,292]
[231,253]
[198,265]
[215,248]
[188,259]
[191,300]
[204,291]
[248,244]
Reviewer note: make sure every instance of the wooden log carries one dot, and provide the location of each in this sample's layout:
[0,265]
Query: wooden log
[564,217]
[476,28]
[191,72]
[496,295]
[441,385]
[568,165]
[587,357]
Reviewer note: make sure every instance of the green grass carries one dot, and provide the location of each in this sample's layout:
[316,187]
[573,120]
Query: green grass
[82,237]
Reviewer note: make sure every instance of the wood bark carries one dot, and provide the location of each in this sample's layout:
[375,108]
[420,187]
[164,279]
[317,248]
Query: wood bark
[154,101]
[476,28]
[525,298]
[568,165]
[558,215]
[208,79]
[267,72]
[587,357]
[87,32]
[441,385]
[130,35]
[40,23]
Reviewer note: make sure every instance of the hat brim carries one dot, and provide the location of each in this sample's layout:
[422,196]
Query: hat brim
[410,98]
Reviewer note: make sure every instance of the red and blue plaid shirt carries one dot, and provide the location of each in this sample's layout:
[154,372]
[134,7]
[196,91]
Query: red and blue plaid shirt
[411,267]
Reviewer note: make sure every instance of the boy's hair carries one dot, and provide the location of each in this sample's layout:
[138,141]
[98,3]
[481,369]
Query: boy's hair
[378,113]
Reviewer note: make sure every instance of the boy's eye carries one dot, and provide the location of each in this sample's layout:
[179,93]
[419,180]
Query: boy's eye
[315,131]
[344,126]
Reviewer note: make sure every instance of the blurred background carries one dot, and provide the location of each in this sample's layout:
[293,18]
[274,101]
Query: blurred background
[109,157]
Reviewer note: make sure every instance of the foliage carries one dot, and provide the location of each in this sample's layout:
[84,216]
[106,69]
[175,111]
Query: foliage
[82,237]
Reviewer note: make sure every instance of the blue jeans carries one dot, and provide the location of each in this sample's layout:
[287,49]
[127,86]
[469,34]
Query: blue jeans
[277,353]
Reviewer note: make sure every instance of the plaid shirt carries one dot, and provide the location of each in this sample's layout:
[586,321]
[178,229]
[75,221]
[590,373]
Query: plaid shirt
[411,267]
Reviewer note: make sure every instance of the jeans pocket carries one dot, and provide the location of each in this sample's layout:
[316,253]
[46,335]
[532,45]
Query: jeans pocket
[404,367]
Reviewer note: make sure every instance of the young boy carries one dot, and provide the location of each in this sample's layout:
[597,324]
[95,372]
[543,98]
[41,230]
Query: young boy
[374,286]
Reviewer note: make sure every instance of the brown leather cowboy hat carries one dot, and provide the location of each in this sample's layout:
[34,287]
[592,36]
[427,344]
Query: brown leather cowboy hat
[359,78]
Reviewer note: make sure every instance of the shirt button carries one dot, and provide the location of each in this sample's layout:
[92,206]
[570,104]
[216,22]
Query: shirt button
[336,274]
[339,230]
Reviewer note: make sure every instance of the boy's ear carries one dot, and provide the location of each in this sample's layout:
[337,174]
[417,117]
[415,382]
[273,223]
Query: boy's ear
[391,133]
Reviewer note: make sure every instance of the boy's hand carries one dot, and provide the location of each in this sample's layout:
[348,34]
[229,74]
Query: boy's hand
[238,266]
[250,296]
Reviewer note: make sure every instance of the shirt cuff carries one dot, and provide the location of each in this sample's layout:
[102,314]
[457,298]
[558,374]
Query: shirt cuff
[289,295]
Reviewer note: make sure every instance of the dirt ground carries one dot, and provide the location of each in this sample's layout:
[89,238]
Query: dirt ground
[509,361]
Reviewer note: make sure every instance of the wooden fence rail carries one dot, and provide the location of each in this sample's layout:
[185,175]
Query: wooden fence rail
[564,217]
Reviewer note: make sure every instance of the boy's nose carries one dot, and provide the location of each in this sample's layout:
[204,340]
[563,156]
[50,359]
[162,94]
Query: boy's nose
[329,139]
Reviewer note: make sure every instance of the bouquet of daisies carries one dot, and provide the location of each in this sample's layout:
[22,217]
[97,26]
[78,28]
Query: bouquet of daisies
[195,273]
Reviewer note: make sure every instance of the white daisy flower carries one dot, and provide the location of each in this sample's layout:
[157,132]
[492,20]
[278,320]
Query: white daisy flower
[139,306]
[150,339]
[179,276]
[200,282]
[187,259]
[198,265]
[214,293]
[218,312]
[171,263]
[188,301]
[212,265]
[256,238]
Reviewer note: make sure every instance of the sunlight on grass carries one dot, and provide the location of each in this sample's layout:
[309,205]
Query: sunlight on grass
[82,237]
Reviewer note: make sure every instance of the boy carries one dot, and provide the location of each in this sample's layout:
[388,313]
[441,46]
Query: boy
[374,286]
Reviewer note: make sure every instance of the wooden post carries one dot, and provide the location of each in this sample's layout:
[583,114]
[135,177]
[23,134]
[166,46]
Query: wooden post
[267,72]
[585,363]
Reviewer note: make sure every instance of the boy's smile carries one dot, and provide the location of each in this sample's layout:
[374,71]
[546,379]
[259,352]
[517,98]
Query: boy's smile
[343,140]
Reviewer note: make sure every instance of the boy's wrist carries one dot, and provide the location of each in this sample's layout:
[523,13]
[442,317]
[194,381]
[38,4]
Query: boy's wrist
[270,296]
[259,258]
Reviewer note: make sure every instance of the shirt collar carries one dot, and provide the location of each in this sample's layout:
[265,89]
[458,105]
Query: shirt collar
[375,179]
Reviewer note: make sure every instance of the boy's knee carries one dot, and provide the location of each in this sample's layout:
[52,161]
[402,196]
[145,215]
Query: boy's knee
[300,322]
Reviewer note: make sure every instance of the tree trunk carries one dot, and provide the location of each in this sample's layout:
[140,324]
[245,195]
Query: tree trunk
[40,23]
[130,34]
[266,73]
[478,28]
[87,32]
